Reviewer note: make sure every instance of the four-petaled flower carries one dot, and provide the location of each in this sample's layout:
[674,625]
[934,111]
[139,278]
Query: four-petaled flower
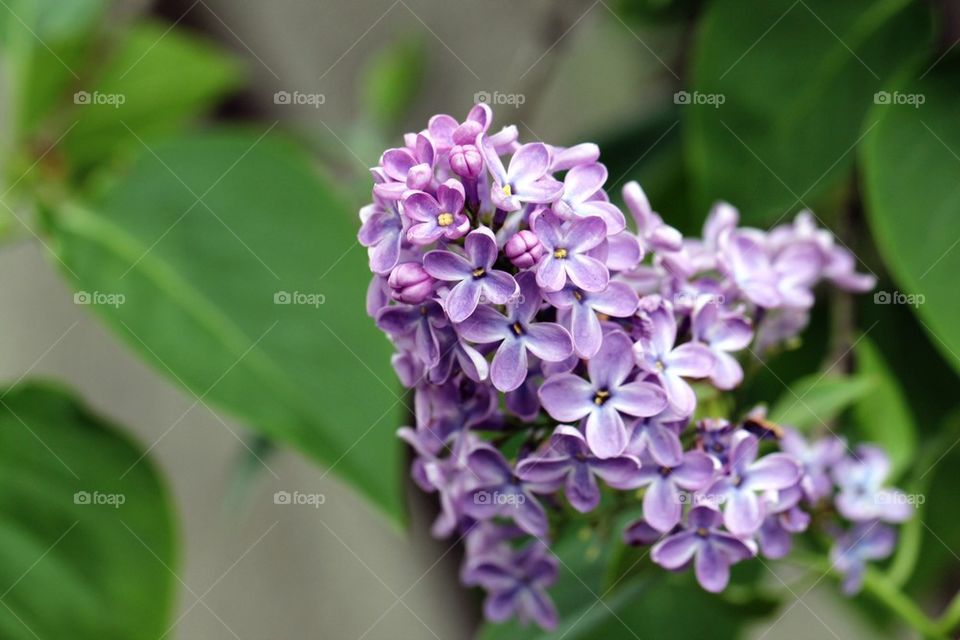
[664,498]
[566,253]
[526,180]
[435,218]
[618,300]
[516,585]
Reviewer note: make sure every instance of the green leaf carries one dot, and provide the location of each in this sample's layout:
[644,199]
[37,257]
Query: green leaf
[391,80]
[243,281]
[816,399]
[882,415]
[156,81]
[795,80]
[87,543]
[911,165]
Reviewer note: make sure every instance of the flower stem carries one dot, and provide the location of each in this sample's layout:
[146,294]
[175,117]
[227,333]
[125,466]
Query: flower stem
[950,619]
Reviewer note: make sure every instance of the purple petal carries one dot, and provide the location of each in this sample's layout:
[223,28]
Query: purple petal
[481,246]
[613,363]
[606,433]
[539,608]
[691,360]
[727,372]
[421,206]
[543,470]
[462,300]
[712,568]
[499,287]
[617,472]
[529,163]
[551,274]
[617,300]
[492,160]
[696,472]
[585,330]
[540,192]
[583,181]
[484,326]
[661,505]
[531,517]
[582,490]
[587,273]
[500,606]
[675,551]
[743,513]
[509,367]
[612,217]
[586,234]
[640,399]
[664,445]
[548,341]
[567,397]
[682,398]
[775,471]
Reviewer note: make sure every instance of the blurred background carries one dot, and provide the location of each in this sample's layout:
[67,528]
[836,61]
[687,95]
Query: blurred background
[180,164]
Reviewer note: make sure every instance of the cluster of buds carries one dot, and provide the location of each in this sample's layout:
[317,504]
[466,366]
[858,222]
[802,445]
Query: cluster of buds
[557,353]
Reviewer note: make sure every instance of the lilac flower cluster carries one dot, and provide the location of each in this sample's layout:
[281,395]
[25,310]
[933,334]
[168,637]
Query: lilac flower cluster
[552,348]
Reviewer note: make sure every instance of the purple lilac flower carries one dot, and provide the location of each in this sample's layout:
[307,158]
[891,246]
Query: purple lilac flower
[517,333]
[566,253]
[569,459]
[784,519]
[580,188]
[475,276]
[605,398]
[409,283]
[723,332]
[435,218]
[747,263]
[498,492]
[743,510]
[655,235]
[618,300]
[658,437]
[862,495]
[663,499]
[382,234]
[406,168]
[516,584]
[865,541]
[523,249]
[526,179]
[711,549]
[563,158]
[817,458]
[658,354]
[421,322]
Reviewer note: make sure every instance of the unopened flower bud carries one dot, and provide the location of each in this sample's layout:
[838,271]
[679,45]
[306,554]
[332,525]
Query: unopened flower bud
[523,249]
[409,283]
[466,161]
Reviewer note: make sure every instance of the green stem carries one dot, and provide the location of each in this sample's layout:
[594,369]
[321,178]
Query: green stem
[950,619]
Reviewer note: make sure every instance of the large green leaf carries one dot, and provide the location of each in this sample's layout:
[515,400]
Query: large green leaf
[242,279]
[882,415]
[86,531]
[795,80]
[911,165]
[816,399]
[155,81]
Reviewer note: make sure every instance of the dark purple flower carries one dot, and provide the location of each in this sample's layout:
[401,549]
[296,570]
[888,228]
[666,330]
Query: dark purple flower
[523,249]
[743,511]
[498,492]
[723,332]
[865,541]
[566,253]
[569,459]
[580,188]
[862,493]
[419,322]
[516,584]
[475,277]
[784,519]
[409,283]
[711,549]
[639,533]
[435,218]
[527,178]
[657,354]
[605,398]
[517,333]
[618,300]
[663,499]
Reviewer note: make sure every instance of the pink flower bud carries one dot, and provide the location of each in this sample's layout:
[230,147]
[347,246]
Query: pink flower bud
[524,249]
[409,283]
[466,161]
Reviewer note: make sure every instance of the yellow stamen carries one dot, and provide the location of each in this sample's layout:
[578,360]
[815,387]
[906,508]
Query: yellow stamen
[507,191]
[601,397]
[478,272]
[560,254]
[445,219]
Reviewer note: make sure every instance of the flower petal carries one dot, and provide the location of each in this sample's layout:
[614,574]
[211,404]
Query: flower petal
[661,505]
[509,367]
[567,397]
[606,433]
[548,341]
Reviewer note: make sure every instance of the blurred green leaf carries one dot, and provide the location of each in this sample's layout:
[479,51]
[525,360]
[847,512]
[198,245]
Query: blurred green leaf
[391,81]
[244,282]
[882,415]
[76,561]
[911,170]
[816,399]
[156,81]
[795,80]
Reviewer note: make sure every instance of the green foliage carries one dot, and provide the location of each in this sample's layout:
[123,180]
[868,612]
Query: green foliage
[73,565]
[796,80]
[391,81]
[911,170]
[815,400]
[244,282]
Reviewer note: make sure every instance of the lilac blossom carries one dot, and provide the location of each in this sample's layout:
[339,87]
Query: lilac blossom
[605,398]
[516,585]
[579,200]
[866,541]
[816,458]
[498,492]
[406,168]
[435,218]
[523,249]
[862,494]
[723,332]
[566,253]
[584,308]
[382,234]
[526,179]
[569,459]
[410,283]
[474,275]
[664,497]
[711,549]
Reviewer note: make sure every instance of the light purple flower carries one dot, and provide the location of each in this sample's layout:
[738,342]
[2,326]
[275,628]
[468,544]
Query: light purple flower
[711,549]
[618,300]
[663,499]
[435,218]
[580,188]
[816,458]
[862,494]
[523,249]
[445,131]
[517,333]
[475,277]
[564,158]
[570,459]
[654,234]
[605,398]
[409,283]
[746,261]
[784,519]
[406,168]
[658,354]
[723,332]
[516,584]
[498,492]
[566,253]
[382,234]
[526,179]
[419,322]
[865,541]
[743,510]
[657,437]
